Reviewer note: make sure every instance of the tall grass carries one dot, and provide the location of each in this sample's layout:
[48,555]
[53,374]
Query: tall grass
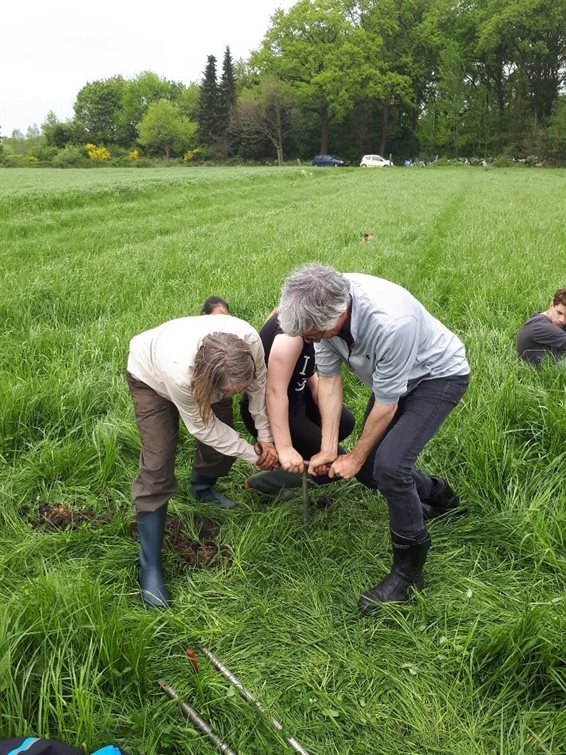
[473,665]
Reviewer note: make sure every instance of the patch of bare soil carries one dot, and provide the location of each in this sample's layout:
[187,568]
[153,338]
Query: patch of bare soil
[206,528]
[202,552]
[57,516]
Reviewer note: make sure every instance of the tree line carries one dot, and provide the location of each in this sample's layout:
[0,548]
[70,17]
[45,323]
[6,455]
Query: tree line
[415,78]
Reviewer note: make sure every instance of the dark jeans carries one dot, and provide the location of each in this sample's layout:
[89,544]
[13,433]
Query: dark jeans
[390,466]
[157,419]
[305,426]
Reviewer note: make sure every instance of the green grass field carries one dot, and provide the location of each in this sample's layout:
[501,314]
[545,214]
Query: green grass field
[475,664]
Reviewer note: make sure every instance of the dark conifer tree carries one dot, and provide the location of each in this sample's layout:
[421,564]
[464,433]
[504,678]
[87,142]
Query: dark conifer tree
[227,92]
[208,115]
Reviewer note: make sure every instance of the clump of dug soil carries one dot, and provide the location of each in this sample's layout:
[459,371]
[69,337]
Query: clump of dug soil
[202,552]
[57,516]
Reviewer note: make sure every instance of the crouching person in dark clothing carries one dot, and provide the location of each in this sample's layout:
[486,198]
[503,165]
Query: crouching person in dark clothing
[545,333]
[418,372]
[292,407]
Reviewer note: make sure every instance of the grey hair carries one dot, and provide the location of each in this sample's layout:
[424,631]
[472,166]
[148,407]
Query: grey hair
[222,361]
[312,298]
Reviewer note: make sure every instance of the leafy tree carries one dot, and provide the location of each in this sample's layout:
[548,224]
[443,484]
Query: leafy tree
[442,124]
[98,110]
[505,64]
[208,110]
[402,60]
[527,39]
[318,48]
[164,130]
[552,140]
[59,133]
[138,94]
[17,134]
[188,102]
[32,132]
[246,75]
[265,113]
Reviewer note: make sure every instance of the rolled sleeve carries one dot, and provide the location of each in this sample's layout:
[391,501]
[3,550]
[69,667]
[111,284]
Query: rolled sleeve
[328,361]
[397,356]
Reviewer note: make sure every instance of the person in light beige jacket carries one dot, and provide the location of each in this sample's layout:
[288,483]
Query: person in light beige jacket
[180,369]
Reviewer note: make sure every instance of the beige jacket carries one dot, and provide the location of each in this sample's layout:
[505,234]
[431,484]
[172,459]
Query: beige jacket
[163,358]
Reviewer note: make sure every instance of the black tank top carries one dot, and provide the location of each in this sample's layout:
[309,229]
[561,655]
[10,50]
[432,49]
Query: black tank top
[304,367]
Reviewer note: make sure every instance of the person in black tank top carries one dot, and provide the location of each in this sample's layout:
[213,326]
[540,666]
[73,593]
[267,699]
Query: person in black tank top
[291,397]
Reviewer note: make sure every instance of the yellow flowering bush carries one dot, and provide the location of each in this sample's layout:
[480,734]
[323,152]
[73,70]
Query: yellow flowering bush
[134,154]
[190,154]
[97,153]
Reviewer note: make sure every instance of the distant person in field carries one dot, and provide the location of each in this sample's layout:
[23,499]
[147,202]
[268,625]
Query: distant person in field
[184,367]
[417,371]
[292,407]
[544,333]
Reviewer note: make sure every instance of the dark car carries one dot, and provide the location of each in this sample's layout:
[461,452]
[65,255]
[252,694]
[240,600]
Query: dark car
[327,161]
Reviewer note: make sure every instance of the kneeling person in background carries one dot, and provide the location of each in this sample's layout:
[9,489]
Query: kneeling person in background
[545,332]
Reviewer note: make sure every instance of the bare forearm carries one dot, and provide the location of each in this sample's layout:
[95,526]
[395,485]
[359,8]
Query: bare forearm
[376,424]
[330,394]
[347,466]
[278,413]
[313,387]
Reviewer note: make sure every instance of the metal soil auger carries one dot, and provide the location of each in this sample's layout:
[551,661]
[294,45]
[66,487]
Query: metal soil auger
[202,725]
[306,507]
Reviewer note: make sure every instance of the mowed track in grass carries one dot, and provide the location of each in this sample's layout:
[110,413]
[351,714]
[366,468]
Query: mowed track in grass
[473,665]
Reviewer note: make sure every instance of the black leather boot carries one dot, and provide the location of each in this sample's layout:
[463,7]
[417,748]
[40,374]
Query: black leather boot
[441,500]
[409,557]
[202,490]
[151,526]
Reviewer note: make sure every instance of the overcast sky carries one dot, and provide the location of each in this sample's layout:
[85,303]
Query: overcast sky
[50,49]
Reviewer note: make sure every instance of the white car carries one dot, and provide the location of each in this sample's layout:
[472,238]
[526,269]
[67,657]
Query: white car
[375,161]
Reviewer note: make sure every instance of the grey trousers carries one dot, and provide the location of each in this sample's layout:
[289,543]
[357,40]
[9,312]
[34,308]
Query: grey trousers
[390,468]
[157,419]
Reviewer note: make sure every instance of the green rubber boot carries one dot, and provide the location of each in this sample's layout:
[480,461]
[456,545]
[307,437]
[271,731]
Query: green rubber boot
[151,526]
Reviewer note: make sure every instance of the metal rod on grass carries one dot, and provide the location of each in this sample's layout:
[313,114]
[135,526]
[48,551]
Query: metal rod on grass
[194,717]
[306,507]
[252,699]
